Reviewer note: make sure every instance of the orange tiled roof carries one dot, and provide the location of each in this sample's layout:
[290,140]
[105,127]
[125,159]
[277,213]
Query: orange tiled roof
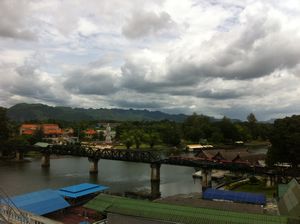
[28,132]
[52,126]
[48,129]
[52,132]
[90,132]
[51,129]
[30,126]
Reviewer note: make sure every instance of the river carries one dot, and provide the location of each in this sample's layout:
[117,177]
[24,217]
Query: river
[20,178]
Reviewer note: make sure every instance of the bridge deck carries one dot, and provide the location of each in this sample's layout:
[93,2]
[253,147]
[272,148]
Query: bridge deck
[152,156]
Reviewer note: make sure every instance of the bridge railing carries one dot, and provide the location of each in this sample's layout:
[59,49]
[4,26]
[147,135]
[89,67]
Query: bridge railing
[113,154]
[9,216]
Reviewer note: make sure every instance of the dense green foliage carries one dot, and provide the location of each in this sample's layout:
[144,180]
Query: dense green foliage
[151,133]
[137,134]
[195,129]
[285,139]
[4,131]
[25,112]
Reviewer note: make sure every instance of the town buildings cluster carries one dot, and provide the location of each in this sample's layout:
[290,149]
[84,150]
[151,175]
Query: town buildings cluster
[54,134]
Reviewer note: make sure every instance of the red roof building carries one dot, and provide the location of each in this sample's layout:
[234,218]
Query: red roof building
[51,130]
[29,129]
[90,133]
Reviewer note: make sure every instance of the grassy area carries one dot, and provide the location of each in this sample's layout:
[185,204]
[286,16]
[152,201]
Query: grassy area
[257,188]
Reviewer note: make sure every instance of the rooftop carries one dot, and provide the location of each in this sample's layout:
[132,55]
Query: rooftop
[244,197]
[176,213]
[80,190]
[40,202]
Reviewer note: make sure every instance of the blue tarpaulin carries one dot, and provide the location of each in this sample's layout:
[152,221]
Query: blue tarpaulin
[80,190]
[40,202]
[245,197]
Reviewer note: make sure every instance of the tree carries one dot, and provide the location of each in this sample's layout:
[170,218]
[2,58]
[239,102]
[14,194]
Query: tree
[101,136]
[169,132]
[228,129]
[217,136]
[36,137]
[127,139]
[197,127]
[4,132]
[251,118]
[138,136]
[152,138]
[252,124]
[285,140]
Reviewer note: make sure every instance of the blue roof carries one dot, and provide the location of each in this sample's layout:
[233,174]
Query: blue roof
[234,196]
[79,190]
[40,202]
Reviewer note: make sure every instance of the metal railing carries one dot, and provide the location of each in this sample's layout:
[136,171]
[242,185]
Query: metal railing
[11,214]
[9,211]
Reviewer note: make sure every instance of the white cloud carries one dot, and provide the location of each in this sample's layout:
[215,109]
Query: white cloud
[86,27]
[217,57]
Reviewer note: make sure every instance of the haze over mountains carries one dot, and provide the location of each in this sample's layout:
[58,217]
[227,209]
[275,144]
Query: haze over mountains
[25,112]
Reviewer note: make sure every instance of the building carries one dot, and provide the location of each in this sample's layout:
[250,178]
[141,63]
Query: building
[68,132]
[51,130]
[29,129]
[90,133]
[125,210]
[234,155]
[289,198]
[197,147]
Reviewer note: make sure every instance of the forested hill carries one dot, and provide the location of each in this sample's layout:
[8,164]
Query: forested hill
[26,112]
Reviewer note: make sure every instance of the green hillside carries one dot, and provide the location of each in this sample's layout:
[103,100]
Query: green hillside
[24,112]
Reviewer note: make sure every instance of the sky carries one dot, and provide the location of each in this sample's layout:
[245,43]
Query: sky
[214,57]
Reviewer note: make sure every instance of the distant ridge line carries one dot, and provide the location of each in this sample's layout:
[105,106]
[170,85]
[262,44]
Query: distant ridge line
[25,112]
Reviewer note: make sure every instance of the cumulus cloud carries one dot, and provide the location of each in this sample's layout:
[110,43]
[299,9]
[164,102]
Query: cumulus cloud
[94,81]
[145,23]
[214,57]
[13,19]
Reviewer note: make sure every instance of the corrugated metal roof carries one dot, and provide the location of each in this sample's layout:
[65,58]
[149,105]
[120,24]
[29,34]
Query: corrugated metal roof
[246,197]
[176,213]
[79,190]
[289,203]
[282,188]
[40,202]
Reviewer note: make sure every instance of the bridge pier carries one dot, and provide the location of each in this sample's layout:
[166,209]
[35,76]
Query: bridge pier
[155,180]
[19,155]
[206,179]
[93,165]
[45,160]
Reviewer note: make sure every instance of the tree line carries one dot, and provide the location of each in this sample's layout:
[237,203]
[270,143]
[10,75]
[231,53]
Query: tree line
[195,129]
[284,134]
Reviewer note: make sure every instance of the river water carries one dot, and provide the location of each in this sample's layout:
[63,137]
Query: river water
[19,178]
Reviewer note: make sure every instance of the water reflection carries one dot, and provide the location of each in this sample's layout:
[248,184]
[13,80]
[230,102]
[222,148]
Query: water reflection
[18,178]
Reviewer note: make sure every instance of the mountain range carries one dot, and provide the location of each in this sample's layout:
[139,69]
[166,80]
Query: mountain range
[26,112]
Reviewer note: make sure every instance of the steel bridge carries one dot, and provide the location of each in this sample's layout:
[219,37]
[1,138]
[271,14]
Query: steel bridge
[156,157]
[144,156]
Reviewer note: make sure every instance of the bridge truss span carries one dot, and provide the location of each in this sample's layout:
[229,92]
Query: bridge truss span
[143,156]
